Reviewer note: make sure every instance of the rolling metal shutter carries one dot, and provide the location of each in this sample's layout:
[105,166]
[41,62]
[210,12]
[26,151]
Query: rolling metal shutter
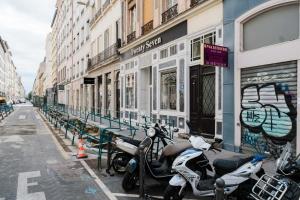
[268,101]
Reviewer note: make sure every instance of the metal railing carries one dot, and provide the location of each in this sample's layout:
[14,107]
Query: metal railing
[103,56]
[196,2]
[131,37]
[169,14]
[98,127]
[147,28]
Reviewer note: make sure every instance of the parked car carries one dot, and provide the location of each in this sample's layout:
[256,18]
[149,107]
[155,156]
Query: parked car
[22,100]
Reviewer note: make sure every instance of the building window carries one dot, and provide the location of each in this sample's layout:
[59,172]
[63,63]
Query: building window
[106,39]
[171,3]
[209,38]
[132,19]
[168,97]
[163,53]
[129,85]
[275,26]
[173,50]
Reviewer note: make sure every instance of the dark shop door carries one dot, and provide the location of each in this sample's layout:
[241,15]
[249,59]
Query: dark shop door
[202,99]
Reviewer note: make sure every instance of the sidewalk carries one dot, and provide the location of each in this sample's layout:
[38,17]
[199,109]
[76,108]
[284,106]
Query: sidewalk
[269,164]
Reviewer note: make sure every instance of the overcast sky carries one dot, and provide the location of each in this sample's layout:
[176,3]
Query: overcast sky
[24,24]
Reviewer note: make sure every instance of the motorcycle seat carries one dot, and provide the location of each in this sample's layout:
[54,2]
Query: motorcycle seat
[131,141]
[174,149]
[162,170]
[224,166]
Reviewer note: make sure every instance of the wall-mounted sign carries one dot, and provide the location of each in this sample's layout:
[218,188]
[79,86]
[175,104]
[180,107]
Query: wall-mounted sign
[214,55]
[146,46]
[89,81]
[169,35]
[61,87]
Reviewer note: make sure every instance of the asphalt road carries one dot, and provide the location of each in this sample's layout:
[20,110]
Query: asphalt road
[32,166]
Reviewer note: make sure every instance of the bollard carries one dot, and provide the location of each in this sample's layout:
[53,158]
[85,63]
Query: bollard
[220,184]
[109,116]
[66,127]
[142,170]
[109,154]
[130,124]
[119,118]
[100,116]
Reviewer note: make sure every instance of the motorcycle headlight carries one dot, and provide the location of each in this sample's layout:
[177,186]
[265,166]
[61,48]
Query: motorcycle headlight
[151,132]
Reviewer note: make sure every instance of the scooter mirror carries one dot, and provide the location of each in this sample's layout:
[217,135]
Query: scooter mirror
[218,140]
[175,130]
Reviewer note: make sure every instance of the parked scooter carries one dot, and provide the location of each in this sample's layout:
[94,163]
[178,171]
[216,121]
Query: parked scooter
[128,147]
[192,165]
[285,185]
[159,169]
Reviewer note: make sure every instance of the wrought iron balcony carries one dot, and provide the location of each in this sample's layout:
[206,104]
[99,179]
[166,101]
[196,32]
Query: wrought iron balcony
[196,2]
[103,56]
[169,14]
[98,13]
[147,28]
[106,4]
[131,37]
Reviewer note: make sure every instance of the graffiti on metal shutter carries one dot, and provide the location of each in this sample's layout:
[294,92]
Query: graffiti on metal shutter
[268,105]
[267,109]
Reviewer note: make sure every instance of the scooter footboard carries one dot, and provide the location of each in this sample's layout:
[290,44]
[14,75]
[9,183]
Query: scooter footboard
[268,187]
[177,180]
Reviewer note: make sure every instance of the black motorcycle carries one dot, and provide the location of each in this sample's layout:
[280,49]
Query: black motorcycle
[160,168]
[126,148]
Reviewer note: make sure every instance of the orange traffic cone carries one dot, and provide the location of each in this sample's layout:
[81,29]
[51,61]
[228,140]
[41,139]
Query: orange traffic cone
[81,150]
[80,143]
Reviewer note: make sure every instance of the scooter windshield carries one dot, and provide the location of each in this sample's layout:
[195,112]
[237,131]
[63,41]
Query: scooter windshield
[146,142]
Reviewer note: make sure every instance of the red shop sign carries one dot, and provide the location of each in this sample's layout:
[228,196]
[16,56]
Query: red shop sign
[214,55]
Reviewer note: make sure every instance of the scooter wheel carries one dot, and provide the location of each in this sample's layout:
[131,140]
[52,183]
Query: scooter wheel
[120,161]
[129,181]
[172,193]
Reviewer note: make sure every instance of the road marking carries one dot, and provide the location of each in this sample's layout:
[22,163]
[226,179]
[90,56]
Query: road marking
[126,195]
[58,146]
[103,187]
[12,138]
[2,198]
[137,196]
[51,161]
[22,191]
[15,147]
[22,117]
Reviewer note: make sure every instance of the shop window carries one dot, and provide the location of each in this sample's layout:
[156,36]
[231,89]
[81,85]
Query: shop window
[275,26]
[129,65]
[168,90]
[173,50]
[129,93]
[163,53]
[209,38]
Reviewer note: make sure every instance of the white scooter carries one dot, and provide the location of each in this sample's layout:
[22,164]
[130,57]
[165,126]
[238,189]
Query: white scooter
[192,166]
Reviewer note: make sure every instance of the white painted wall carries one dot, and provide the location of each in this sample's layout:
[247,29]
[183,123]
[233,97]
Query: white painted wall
[206,19]
[282,52]
[106,21]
